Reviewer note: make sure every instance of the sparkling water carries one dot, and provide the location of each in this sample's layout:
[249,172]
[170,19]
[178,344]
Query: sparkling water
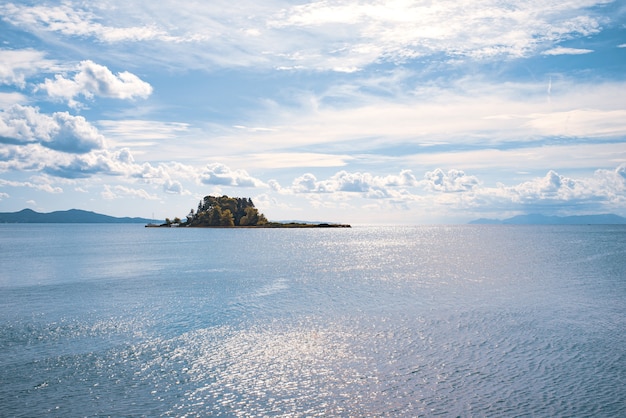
[468,320]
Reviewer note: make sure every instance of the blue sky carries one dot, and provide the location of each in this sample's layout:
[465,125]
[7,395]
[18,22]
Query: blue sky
[388,112]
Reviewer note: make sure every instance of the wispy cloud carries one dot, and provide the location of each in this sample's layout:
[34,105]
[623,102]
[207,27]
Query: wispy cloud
[567,51]
[325,35]
[580,123]
[472,113]
[71,20]
[282,160]
[41,186]
[140,130]
[408,29]
[17,65]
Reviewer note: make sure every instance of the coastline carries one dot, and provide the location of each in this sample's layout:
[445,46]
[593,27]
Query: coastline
[267,225]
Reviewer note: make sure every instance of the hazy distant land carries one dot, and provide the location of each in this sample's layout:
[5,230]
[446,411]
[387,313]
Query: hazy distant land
[29,216]
[537,219]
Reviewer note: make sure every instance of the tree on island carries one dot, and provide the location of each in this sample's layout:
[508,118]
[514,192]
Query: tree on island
[226,211]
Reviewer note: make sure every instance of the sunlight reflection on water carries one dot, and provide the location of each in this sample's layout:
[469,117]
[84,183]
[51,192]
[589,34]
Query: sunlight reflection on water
[363,322]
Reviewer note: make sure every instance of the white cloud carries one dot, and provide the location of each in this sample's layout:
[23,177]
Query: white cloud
[74,134]
[118,163]
[174,187]
[121,164]
[119,192]
[92,79]
[16,65]
[611,184]
[567,51]
[550,187]
[604,191]
[60,131]
[220,174]
[10,99]
[450,181]
[88,165]
[462,196]
[369,185]
[553,193]
[163,172]
[307,183]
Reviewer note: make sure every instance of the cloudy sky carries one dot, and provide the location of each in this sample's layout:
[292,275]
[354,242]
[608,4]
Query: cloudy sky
[353,111]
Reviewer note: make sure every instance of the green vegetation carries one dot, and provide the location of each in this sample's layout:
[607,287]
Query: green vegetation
[225,211]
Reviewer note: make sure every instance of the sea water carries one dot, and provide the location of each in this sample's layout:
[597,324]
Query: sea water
[121,320]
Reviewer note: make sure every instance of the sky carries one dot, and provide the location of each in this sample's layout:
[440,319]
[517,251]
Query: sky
[365,112]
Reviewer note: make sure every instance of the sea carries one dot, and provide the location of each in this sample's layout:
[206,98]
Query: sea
[369,321]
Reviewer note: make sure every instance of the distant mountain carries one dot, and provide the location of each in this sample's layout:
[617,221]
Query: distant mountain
[536,219]
[66,216]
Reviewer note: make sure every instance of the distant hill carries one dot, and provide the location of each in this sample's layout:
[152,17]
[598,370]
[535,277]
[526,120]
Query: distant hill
[536,219]
[66,216]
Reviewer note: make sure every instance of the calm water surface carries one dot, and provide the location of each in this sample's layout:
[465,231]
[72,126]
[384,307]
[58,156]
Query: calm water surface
[100,320]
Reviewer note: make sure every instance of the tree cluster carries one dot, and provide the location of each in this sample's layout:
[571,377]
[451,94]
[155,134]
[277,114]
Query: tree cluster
[226,211]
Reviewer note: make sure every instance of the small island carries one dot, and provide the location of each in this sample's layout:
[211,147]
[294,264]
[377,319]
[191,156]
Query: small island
[233,212]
